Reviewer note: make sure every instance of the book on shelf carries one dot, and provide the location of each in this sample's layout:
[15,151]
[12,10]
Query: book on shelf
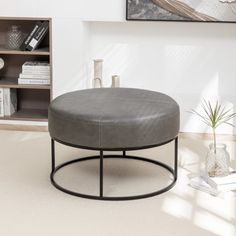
[8,101]
[36,64]
[38,36]
[1,103]
[35,72]
[36,67]
[34,76]
[213,185]
[34,81]
[30,36]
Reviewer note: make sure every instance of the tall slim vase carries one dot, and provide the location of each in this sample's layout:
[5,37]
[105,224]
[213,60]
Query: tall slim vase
[97,80]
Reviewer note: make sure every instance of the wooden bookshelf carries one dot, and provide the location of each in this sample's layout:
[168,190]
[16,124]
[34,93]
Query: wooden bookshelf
[33,100]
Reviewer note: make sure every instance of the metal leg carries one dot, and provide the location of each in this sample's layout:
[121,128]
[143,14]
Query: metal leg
[100,196]
[176,158]
[101,173]
[53,154]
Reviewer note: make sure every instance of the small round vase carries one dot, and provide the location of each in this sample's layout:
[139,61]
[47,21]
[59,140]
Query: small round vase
[217,164]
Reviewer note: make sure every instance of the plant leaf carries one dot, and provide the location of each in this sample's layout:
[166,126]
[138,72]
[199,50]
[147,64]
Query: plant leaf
[214,115]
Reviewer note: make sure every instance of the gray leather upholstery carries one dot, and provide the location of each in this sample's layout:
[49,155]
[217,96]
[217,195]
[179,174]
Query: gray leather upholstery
[113,118]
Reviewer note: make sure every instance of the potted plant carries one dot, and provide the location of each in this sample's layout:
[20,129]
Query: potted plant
[214,115]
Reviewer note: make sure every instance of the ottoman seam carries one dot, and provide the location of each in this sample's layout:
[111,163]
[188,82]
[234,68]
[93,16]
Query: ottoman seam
[99,131]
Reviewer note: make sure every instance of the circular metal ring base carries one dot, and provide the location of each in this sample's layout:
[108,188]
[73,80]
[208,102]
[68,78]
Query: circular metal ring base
[122,198]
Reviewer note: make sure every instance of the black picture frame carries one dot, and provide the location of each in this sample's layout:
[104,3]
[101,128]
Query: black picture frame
[130,18]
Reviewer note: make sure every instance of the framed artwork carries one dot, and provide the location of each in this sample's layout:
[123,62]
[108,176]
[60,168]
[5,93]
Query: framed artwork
[182,10]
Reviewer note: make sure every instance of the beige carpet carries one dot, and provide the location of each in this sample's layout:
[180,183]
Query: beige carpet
[30,206]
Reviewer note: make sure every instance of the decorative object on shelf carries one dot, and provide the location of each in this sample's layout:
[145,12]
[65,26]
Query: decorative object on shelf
[217,161]
[1,63]
[14,37]
[115,81]
[97,81]
[181,10]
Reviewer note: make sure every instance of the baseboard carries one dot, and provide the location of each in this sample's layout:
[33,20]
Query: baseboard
[184,135]
[204,136]
[34,128]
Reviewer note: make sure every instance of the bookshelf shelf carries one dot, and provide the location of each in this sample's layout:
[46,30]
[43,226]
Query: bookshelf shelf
[12,83]
[28,115]
[32,100]
[41,51]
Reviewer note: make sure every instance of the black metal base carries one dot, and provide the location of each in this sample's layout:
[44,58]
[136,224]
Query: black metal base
[101,157]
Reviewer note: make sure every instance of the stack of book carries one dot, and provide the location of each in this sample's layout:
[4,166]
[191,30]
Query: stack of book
[8,101]
[36,36]
[35,72]
[213,185]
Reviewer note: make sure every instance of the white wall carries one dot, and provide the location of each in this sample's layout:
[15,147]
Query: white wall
[188,61]
[185,60]
[70,46]
[82,9]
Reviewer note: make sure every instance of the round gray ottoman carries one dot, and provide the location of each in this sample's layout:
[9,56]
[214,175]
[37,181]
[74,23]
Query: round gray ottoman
[113,119]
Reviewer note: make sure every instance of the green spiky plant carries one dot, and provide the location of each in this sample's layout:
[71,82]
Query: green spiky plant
[214,116]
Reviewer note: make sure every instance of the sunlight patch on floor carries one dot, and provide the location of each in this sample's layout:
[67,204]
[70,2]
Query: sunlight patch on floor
[213,223]
[177,207]
[218,206]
